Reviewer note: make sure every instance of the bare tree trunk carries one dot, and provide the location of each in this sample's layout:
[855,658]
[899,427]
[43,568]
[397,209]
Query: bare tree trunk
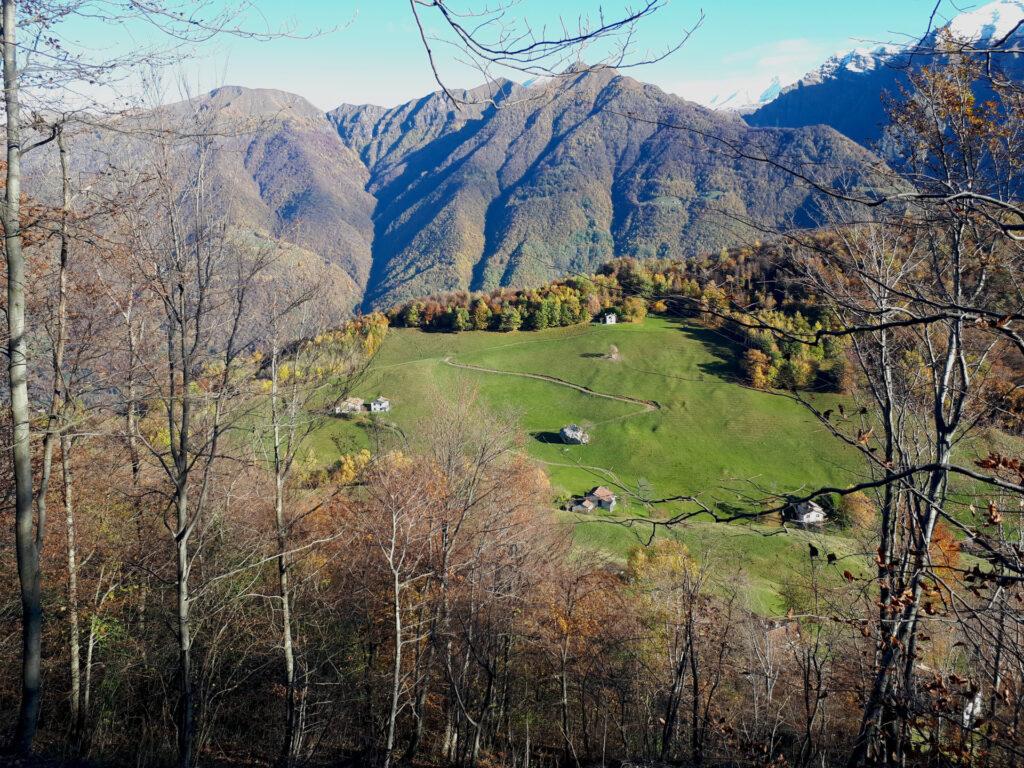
[696,740]
[287,645]
[287,749]
[563,702]
[90,649]
[180,432]
[58,426]
[78,713]
[674,698]
[396,677]
[131,407]
[186,725]
[28,533]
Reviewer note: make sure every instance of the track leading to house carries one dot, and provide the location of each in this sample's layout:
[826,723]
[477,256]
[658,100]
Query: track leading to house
[650,405]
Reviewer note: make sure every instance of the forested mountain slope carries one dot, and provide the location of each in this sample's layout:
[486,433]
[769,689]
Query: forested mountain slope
[523,185]
[562,176]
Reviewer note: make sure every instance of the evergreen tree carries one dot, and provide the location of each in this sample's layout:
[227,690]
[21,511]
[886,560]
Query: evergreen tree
[411,316]
[511,319]
[458,319]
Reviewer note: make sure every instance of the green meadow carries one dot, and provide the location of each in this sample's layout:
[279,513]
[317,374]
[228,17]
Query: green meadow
[708,436]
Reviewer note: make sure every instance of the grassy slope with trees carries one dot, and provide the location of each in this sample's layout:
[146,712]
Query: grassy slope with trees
[710,432]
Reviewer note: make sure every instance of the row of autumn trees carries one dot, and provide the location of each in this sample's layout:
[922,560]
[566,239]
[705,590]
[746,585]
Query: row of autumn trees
[561,303]
[713,290]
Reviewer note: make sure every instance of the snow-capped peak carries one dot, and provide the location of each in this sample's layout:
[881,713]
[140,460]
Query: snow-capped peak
[857,61]
[744,100]
[986,23]
[989,22]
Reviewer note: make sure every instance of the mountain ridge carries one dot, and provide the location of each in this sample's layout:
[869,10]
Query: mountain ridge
[521,185]
[468,182]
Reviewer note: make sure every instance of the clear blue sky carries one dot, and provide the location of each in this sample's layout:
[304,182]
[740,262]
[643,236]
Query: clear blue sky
[375,56]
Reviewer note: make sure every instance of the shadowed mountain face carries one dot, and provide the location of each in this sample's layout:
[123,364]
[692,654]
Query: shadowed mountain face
[525,185]
[563,176]
[846,93]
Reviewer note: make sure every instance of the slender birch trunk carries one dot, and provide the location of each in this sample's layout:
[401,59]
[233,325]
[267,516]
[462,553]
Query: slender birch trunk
[28,532]
[186,725]
[59,425]
[284,592]
[396,677]
[78,714]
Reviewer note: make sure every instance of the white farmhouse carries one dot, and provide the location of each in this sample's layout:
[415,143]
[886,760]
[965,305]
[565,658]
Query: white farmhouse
[807,513]
[610,318]
[380,405]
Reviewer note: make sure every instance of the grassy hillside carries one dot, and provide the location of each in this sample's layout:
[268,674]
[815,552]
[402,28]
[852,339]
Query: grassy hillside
[708,436]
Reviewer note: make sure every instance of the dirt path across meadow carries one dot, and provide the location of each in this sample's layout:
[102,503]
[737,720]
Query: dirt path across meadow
[650,405]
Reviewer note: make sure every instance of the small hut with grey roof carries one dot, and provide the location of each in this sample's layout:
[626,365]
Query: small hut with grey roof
[574,434]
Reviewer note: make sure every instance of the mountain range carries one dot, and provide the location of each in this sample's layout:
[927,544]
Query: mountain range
[524,184]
